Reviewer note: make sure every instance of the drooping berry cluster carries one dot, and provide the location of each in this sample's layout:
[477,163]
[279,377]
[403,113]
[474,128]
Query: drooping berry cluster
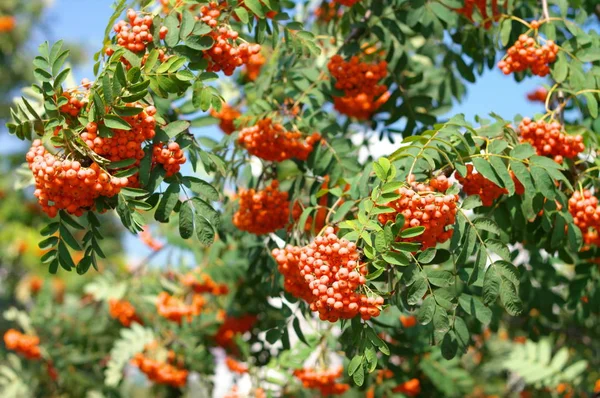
[425,205]
[526,54]
[538,95]
[67,185]
[347,3]
[233,326]
[170,156]
[469,7]
[235,366]
[549,140]
[148,239]
[360,83]
[327,274]
[270,141]
[476,184]
[160,372]
[323,380]
[123,311]
[26,345]
[254,65]
[410,388]
[225,54]
[326,12]
[205,285]
[175,309]
[584,208]
[135,34]
[227,116]
[262,212]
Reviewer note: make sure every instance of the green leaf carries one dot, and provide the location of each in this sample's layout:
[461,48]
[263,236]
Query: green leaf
[592,104]
[176,127]
[187,24]
[396,258]
[471,202]
[412,232]
[199,43]
[172,23]
[484,168]
[204,231]
[439,278]
[355,364]
[186,220]
[68,237]
[359,376]
[201,188]
[242,14]
[441,322]
[115,122]
[505,29]
[522,151]
[167,203]
[256,7]
[427,310]
[449,346]
[473,306]
[560,69]
[416,291]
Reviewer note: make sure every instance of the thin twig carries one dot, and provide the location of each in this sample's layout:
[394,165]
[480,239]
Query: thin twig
[545,10]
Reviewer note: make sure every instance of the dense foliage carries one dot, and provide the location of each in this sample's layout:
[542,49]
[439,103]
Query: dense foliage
[463,263]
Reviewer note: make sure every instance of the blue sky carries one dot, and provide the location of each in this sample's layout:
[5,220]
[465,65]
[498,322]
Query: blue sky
[84,21]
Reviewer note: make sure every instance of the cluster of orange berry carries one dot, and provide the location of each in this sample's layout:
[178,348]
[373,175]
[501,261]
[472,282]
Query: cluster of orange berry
[262,212]
[408,321]
[205,285]
[160,372]
[538,95]
[231,327]
[225,54]
[327,274]
[123,311]
[476,184]
[426,206]
[135,34]
[583,206]
[170,156]
[525,53]
[326,12]
[28,346]
[323,380]
[227,116]
[347,3]
[270,141]
[548,140]
[174,309]
[360,83]
[254,65]
[235,366]
[147,238]
[410,388]
[7,23]
[76,101]
[469,6]
[67,185]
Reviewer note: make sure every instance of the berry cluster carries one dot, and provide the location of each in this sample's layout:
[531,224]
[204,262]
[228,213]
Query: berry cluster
[326,12]
[175,309]
[227,116]
[67,185]
[233,326]
[7,23]
[347,3]
[476,184]
[408,321]
[323,380]
[327,274]
[584,208]
[410,388]
[147,238]
[425,205]
[525,53]
[135,34]
[538,95]
[205,285]
[160,372]
[262,212]
[360,83]
[26,345]
[123,311]
[548,140]
[170,156]
[123,144]
[469,6]
[254,65]
[76,101]
[235,366]
[269,141]
[225,55]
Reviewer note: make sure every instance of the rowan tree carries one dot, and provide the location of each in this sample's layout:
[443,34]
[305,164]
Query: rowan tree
[462,263]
